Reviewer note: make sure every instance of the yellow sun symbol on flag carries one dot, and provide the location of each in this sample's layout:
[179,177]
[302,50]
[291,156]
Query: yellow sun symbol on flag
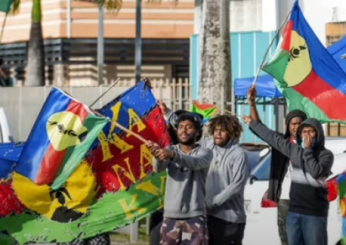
[299,64]
[65,129]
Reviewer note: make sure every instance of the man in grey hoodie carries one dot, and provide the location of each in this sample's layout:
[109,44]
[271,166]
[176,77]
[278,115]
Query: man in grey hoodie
[187,165]
[226,181]
[157,217]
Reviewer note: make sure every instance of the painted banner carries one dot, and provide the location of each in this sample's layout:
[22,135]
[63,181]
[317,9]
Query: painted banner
[111,187]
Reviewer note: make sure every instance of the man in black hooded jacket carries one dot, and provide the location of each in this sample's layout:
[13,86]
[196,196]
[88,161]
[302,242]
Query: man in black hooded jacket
[311,165]
[280,169]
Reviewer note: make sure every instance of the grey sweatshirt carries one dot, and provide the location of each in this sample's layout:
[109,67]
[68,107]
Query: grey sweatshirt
[226,180]
[185,184]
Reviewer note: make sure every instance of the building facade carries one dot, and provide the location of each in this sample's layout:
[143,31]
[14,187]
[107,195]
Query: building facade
[253,25]
[70,30]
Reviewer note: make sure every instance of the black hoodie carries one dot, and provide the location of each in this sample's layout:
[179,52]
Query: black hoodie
[311,167]
[279,162]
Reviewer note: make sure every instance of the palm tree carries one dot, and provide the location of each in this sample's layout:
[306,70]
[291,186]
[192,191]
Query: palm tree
[110,4]
[215,69]
[214,41]
[36,59]
[14,6]
[116,5]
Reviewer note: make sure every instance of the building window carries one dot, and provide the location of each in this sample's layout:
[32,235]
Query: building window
[246,15]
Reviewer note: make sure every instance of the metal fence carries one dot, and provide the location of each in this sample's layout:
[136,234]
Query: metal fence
[22,104]
[272,112]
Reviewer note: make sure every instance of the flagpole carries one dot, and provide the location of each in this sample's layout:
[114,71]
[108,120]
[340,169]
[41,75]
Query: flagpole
[121,127]
[232,113]
[271,44]
[112,85]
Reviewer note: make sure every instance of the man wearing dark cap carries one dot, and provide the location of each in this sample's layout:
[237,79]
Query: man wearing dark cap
[157,217]
[187,165]
[280,167]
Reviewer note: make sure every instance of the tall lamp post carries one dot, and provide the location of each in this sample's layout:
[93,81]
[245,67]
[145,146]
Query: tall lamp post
[138,63]
[100,46]
[138,41]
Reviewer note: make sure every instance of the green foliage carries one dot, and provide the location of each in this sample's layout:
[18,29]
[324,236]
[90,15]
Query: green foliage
[116,4]
[36,13]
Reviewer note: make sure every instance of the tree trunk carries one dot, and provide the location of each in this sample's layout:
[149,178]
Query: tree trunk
[202,6]
[215,75]
[35,60]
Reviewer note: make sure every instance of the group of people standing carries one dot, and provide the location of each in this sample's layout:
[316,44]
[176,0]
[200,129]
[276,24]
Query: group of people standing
[206,178]
[300,166]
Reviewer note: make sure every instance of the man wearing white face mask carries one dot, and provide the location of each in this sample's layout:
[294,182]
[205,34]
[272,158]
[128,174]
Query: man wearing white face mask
[311,162]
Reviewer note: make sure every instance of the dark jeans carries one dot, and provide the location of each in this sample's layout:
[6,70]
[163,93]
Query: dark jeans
[306,229]
[222,232]
[282,216]
[155,226]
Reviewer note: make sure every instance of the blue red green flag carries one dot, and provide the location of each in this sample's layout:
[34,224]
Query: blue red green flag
[59,139]
[306,74]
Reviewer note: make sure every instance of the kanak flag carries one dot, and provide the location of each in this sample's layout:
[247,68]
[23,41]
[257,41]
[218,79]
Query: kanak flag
[61,136]
[306,73]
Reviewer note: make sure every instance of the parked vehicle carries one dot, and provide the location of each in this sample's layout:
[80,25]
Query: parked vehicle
[255,152]
[5,133]
[261,225]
